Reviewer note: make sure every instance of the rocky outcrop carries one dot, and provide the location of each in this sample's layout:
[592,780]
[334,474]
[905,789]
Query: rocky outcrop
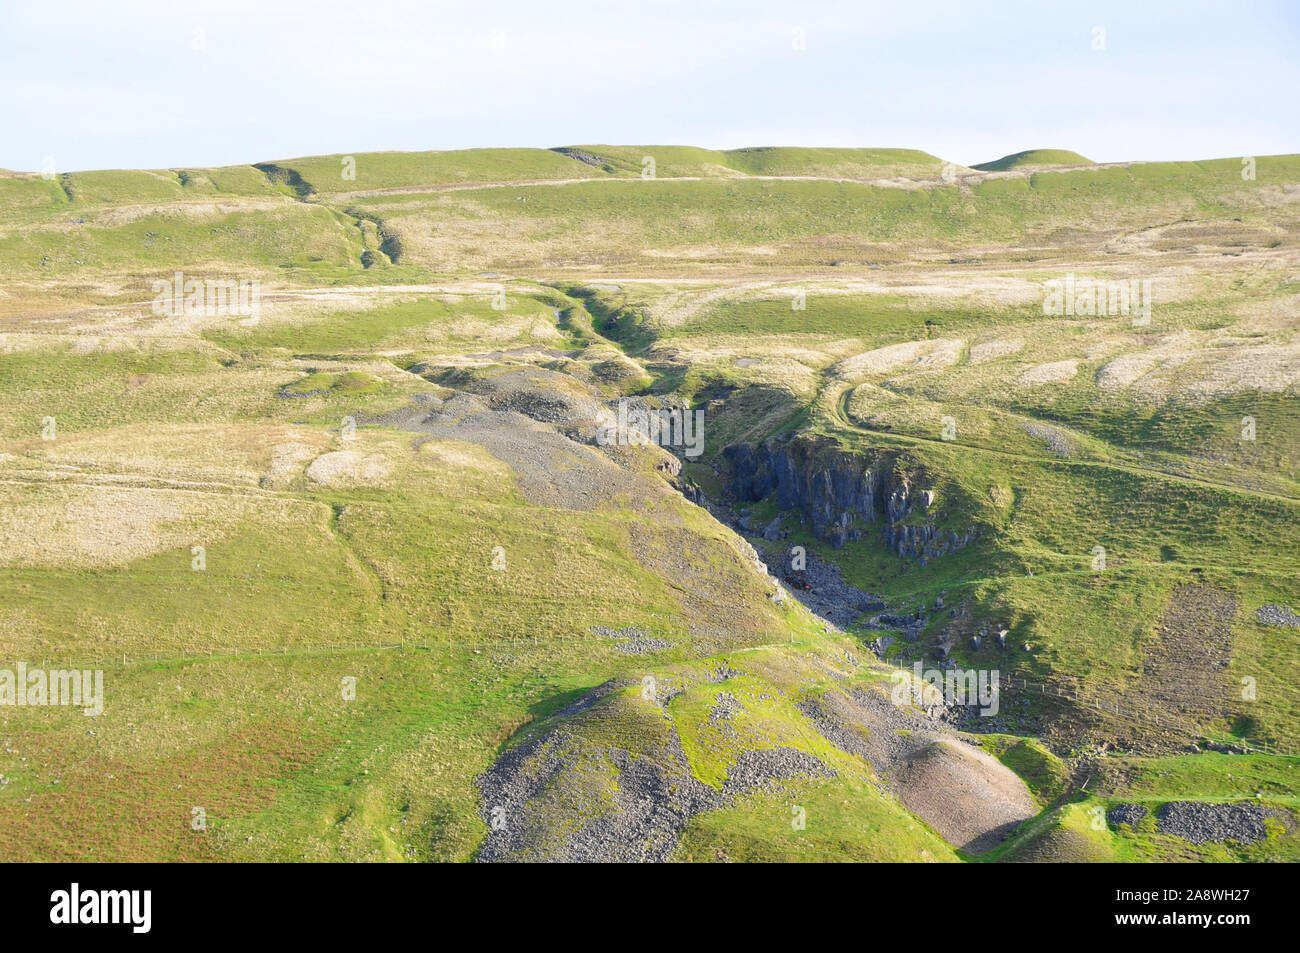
[924,541]
[842,494]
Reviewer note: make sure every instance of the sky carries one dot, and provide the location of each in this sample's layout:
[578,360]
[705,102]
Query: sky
[87,84]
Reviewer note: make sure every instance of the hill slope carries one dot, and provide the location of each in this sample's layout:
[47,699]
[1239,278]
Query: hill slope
[366,583]
[1034,159]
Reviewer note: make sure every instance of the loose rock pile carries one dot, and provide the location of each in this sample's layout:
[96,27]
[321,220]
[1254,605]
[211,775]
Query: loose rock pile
[631,641]
[1277,615]
[1129,814]
[1203,823]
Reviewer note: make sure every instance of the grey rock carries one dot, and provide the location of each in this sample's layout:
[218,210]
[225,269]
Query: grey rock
[1203,823]
[631,641]
[758,769]
[839,492]
[1128,814]
[1277,615]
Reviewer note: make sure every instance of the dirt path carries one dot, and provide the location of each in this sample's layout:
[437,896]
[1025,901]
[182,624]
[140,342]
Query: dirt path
[839,400]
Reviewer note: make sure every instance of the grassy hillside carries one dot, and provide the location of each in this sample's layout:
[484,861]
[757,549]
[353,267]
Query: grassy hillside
[823,223]
[1033,159]
[400,170]
[682,161]
[359,573]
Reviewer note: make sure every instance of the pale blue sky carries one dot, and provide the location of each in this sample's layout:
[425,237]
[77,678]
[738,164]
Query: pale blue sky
[122,84]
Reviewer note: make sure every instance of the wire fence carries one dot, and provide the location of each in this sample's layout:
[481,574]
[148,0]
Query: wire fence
[1066,688]
[1142,719]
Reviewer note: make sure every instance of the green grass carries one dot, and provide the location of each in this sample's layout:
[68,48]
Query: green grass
[844,823]
[263,243]
[349,382]
[685,161]
[396,170]
[1033,159]
[874,319]
[1043,772]
[86,392]
[1030,568]
[817,222]
[337,332]
[410,324]
[835,163]
[277,618]
[224,685]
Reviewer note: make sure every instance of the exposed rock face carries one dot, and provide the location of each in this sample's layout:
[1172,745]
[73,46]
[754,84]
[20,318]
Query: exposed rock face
[839,492]
[924,541]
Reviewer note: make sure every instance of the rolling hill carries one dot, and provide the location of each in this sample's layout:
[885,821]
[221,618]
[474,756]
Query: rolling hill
[366,582]
[1034,159]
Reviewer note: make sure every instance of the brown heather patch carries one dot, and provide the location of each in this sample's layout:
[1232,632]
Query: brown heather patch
[115,809]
